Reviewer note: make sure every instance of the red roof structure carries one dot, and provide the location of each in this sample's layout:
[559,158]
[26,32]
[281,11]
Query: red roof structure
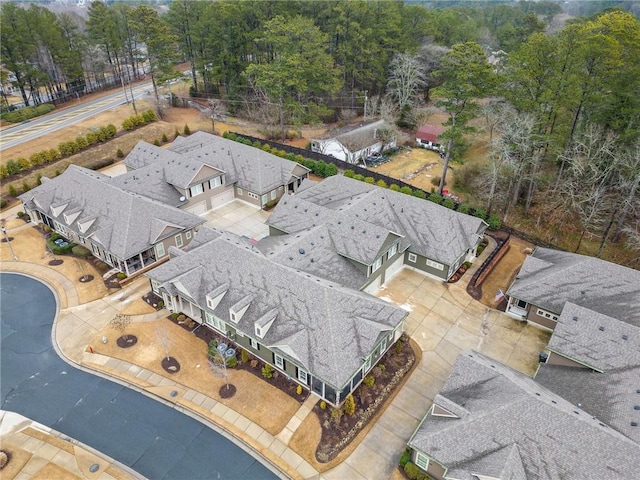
[429,133]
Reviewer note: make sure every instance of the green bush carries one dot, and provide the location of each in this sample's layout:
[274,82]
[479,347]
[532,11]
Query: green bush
[411,470]
[330,170]
[92,138]
[435,181]
[480,213]
[164,138]
[213,345]
[395,187]
[369,380]
[81,143]
[435,198]
[156,142]
[128,124]
[323,405]
[494,222]
[27,113]
[370,180]
[244,356]
[231,362]
[186,130]
[67,149]
[121,275]
[398,346]
[38,180]
[358,177]
[267,371]
[176,134]
[24,163]
[12,191]
[406,190]
[349,173]
[148,116]
[449,203]
[349,405]
[405,458]
[56,249]
[13,167]
[36,159]
[3,202]
[25,186]
[464,208]
[381,183]
[80,251]
[119,153]
[4,173]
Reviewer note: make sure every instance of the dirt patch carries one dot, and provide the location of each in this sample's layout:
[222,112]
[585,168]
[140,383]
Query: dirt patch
[504,272]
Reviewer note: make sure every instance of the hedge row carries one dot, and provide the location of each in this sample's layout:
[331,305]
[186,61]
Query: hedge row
[27,113]
[65,149]
[493,220]
[317,167]
[136,121]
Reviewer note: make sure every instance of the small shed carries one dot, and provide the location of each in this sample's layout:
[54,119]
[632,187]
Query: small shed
[428,137]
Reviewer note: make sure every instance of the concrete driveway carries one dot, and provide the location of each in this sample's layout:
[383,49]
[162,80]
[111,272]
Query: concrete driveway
[444,320]
[240,218]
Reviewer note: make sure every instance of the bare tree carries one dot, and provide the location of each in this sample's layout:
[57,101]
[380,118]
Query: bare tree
[120,323]
[406,79]
[430,57]
[632,234]
[629,168]
[216,111]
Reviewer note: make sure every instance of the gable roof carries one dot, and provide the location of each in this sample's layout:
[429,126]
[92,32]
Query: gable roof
[503,409]
[550,278]
[321,325]
[430,133]
[124,223]
[612,349]
[357,137]
[428,229]
[250,168]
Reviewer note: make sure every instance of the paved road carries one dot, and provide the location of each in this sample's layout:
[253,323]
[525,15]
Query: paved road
[10,137]
[153,439]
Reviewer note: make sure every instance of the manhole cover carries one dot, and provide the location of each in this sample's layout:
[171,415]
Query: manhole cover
[94,468]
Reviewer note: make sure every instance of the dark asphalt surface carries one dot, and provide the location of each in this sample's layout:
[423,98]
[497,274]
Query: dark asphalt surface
[148,436]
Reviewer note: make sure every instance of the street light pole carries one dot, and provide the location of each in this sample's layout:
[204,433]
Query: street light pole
[8,241]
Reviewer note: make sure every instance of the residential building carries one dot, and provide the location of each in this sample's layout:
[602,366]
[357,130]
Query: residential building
[128,231]
[372,232]
[322,335]
[429,137]
[491,422]
[550,278]
[352,144]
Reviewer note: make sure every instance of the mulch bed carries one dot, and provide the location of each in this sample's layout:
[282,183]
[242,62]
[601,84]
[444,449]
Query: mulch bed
[475,291]
[56,262]
[154,300]
[227,391]
[126,341]
[86,278]
[7,239]
[339,430]
[170,365]
[278,380]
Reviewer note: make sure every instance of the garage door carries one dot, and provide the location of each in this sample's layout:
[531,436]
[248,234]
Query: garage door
[221,199]
[394,268]
[373,287]
[198,208]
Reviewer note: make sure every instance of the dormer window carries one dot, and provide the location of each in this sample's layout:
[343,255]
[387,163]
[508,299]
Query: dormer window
[237,311]
[196,190]
[214,296]
[262,325]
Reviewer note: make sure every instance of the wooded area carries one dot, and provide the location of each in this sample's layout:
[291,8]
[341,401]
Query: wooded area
[560,101]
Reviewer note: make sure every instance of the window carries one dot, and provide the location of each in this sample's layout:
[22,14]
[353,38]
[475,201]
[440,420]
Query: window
[367,365]
[521,304]
[178,239]
[160,250]
[264,199]
[196,190]
[155,286]
[215,322]
[412,257]
[239,191]
[95,249]
[215,182]
[273,194]
[545,314]
[303,376]
[188,234]
[209,303]
[383,345]
[376,265]
[253,195]
[436,265]
[393,250]
[254,344]
[60,228]
[422,461]
[279,361]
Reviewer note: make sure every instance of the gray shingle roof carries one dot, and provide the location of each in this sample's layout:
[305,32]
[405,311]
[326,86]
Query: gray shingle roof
[549,278]
[604,344]
[431,230]
[124,223]
[250,168]
[325,327]
[554,439]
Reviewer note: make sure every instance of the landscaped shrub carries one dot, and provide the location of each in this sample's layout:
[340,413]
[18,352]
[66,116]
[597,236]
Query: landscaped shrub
[435,181]
[24,163]
[186,130]
[66,148]
[119,153]
[323,405]
[449,203]
[480,213]
[435,198]
[20,214]
[164,138]
[349,173]
[176,134]
[244,356]
[121,275]
[80,251]
[369,380]
[25,186]
[267,371]
[494,222]
[405,457]
[394,187]
[156,142]
[299,389]
[128,124]
[102,267]
[36,159]
[148,116]
[358,177]
[57,249]
[231,362]
[212,350]
[411,470]
[27,113]
[12,191]
[406,190]
[370,180]
[381,183]
[3,172]
[38,180]
[13,167]
[81,143]
[464,208]
[3,202]
[330,170]
[349,405]
[398,346]
[92,138]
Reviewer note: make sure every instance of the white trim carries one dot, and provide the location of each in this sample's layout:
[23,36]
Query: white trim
[178,239]
[392,251]
[436,265]
[543,313]
[160,250]
[254,344]
[239,191]
[412,257]
[303,376]
[376,265]
[215,322]
[188,234]
[422,461]
[196,190]
[215,182]
[278,360]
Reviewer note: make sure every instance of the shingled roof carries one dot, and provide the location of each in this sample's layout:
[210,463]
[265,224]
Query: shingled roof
[124,223]
[429,229]
[550,278]
[319,324]
[608,388]
[505,425]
